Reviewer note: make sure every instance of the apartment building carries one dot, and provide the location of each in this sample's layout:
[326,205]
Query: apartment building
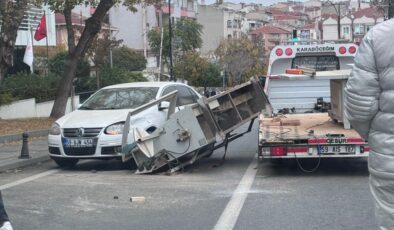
[271,35]
[353,26]
[219,23]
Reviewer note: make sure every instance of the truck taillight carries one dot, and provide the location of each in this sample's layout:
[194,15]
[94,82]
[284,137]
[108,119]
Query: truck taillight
[288,51]
[278,151]
[364,149]
[352,49]
[279,52]
[342,50]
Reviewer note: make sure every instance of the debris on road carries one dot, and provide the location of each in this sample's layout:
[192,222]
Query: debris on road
[137,199]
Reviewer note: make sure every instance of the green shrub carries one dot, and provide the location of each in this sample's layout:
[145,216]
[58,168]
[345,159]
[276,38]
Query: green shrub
[6,98]
[116,75]
[24,85]
[57,63]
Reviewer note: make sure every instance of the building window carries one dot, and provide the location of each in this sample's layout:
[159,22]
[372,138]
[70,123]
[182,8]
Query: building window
[229,24]
[369,27]
[305,34]
[346,30]
[359,29]
[275,36]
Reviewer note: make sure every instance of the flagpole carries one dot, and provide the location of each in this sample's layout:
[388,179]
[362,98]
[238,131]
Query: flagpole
[46,41]
[32,45]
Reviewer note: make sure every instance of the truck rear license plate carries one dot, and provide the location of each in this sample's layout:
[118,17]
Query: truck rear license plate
[345,149]
[78,142]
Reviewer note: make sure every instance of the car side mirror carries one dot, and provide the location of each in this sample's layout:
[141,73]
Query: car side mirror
[164,105]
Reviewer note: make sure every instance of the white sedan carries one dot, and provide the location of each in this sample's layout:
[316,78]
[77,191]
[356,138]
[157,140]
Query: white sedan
[94,131]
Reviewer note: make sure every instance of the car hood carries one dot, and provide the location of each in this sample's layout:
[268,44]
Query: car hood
[92,118]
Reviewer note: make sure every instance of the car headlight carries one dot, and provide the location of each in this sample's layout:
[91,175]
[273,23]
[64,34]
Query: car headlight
[114,129]
[55,129]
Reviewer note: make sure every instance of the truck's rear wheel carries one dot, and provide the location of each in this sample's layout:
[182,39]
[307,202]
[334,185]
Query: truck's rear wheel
[65,162]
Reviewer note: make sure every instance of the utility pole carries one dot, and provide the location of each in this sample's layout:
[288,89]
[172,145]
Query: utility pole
[170,37]
[339,20]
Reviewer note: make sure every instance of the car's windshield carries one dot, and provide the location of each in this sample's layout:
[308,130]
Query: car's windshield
[120,98]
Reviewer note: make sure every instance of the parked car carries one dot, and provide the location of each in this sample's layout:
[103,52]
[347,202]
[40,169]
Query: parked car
[94,130]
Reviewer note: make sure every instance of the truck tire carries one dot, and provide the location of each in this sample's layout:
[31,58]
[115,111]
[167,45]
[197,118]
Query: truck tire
[65,162]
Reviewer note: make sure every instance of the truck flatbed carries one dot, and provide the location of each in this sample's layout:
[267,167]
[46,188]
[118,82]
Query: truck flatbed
[305,126]
[312,135]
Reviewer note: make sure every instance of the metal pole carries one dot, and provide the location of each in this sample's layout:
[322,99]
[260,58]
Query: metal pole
[144,28]
[339,21]
[161,43]
[110,36]
[161,54]
[170,38]
[390,10]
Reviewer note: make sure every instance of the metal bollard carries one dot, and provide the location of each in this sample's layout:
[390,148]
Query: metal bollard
[25,147]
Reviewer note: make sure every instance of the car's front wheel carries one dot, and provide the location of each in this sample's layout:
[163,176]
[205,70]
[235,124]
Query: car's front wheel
[65,162]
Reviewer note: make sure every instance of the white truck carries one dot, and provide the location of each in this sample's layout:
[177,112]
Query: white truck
[307,119]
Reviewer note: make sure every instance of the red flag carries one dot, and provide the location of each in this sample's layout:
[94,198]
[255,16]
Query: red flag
[41,31]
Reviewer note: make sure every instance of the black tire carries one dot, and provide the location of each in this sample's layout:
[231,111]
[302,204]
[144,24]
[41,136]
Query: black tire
[65,162]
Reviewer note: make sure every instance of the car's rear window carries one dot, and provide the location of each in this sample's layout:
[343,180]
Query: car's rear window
[120,98]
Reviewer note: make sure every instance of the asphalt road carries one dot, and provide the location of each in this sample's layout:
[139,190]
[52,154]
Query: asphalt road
[239,194]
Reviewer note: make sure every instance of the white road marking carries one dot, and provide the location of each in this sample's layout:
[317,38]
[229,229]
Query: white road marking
[28,179]
[230,214]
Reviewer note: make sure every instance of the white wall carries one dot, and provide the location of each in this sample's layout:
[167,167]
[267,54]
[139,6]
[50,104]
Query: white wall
[29,108]
[330,32]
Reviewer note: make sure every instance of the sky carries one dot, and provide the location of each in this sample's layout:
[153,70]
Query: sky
[264,2]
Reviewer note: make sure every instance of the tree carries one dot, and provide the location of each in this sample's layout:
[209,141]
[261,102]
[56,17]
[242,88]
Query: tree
[240,59]
[129,59]
[187,37]
[99,50]
[12,13]
[77,51]
[197,71]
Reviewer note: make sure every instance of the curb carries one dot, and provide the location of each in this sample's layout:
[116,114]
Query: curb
[18,136]
[23,163]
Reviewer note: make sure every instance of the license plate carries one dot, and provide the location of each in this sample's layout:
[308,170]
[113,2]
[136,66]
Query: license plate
[78,142]
[343,149]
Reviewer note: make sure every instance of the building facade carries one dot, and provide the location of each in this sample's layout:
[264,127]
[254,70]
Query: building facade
[271,35]
[30,23]
[353,26]
[218,24]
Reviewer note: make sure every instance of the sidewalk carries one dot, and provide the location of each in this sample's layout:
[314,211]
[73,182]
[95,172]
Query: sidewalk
[9,153]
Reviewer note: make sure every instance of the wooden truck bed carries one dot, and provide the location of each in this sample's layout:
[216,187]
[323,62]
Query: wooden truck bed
[301,126]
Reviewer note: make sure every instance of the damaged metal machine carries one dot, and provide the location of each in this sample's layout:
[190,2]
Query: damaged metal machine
[193,132]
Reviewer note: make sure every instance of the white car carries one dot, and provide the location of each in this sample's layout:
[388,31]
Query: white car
[94,131]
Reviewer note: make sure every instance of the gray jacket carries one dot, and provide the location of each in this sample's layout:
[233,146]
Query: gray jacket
[369,96]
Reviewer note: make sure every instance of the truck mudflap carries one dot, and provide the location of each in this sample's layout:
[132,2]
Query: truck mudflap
[195,131]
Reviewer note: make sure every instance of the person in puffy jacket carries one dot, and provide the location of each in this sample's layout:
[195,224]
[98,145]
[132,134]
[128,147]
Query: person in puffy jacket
[369,106]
